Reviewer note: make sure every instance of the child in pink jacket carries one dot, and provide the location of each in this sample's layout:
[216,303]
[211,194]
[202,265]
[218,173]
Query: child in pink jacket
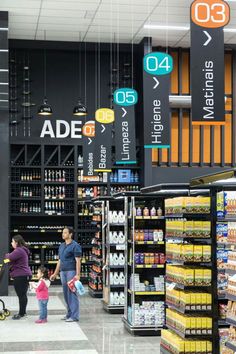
[41,289]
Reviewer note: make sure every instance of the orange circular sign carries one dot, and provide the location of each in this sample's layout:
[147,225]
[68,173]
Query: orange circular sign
[89,129]
[210,13]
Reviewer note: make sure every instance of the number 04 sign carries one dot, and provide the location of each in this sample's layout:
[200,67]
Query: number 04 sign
[156,87]
[208,17]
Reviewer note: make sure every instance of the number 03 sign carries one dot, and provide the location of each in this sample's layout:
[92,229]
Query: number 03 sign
[208,17]
[210,13]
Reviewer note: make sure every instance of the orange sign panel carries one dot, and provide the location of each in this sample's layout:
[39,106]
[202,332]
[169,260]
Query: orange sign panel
[210,13]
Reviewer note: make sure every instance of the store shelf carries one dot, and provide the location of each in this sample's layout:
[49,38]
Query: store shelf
[117,286]
[147,293]
[181,262]
[22,199]
[94,183]
[227,218]
[117,224]
[222,297]
[151,266]
[199,239]
[231,346]
[230,271]
[142,330]
[231,321]
[26,182]
[149,218]
[222,323]
[41,214]
[116,266]
[87,262]
[95,293]
[113,308]
[51,262]
[60,183]
[188,311]
[148,242]
[187,287]
[189,335]
[164,350]
[188,215]
[230,297]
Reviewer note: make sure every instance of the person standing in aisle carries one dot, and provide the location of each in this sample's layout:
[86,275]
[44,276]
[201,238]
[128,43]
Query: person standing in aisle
[69,265]
[20,272]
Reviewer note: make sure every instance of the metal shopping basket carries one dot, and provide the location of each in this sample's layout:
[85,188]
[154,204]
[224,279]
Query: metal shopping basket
[4,312]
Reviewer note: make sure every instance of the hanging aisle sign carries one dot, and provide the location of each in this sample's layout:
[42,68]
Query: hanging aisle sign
[125,137]
[104,118]
[208,17]
[88,131]
[156,87]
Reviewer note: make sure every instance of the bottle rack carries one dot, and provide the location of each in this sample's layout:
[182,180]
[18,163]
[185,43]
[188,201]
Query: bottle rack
[47,187]
[95,276]
[115,231]
[145,268]
[191,276]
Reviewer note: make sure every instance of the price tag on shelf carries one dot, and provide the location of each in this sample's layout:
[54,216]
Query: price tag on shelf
[42,230]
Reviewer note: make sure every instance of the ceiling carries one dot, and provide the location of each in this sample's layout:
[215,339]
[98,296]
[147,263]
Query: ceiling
[103,20]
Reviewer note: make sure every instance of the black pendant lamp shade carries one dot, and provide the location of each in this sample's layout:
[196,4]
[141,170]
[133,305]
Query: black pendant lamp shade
[80,109]
[45,109]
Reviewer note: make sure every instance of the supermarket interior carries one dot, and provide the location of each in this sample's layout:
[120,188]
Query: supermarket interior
[118,176]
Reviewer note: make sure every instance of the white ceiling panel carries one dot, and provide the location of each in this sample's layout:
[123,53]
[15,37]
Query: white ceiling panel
[63,19]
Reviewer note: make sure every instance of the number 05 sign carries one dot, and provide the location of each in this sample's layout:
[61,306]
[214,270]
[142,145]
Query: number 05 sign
[208,17]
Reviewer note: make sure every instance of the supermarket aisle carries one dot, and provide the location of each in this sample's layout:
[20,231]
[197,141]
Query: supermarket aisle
[97,332]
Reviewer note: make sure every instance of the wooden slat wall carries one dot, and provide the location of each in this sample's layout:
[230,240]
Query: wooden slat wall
[222,151]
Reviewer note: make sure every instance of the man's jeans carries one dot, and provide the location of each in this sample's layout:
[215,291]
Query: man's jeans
[71,299]
[43,309]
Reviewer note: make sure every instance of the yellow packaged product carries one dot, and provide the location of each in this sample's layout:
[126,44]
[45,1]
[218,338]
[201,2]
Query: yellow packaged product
[208,301]
[192,346]
[209,325]
[193,325]
[199,277]
[187,252]
[193,301]
[189,276]
[199,324]
[204,325]
[206,253]
[187,346]
[189,228]
[197,228]
[209,347]
[206,228]
[198,348]
[204,346]
[197,250]
[198,301]
[207,277]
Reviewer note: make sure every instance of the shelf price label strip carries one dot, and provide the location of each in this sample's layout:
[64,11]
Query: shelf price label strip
[125,137]
[208,18]
[157,67]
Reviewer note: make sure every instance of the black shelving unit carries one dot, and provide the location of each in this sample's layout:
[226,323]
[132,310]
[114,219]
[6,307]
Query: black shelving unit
[113,246]
[47,188]
[145,254]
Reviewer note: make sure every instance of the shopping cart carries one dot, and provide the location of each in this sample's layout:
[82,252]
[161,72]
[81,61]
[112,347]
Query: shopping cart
[4,312]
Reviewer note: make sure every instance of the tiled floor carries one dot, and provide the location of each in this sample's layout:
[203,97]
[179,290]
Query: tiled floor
[97,332]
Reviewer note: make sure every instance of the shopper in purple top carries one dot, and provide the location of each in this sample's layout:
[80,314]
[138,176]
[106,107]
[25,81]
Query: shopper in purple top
[20,272]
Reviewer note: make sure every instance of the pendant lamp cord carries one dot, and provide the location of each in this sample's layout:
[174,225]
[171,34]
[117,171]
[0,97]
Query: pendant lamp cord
[45,67]
[85,74]
[167,22]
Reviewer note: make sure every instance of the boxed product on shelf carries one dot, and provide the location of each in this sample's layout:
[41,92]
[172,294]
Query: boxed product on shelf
[149,313]
[187,300]
[222,258]
[179,205]
[177,345]
[188,252]
[222,283]
[137,285]
[188,228]
[226,205]
[189,276]
[231,264]
[149,258]
[232,285]
[222,232]
[195,325]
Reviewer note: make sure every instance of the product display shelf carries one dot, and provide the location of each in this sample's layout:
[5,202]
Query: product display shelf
[114,235]
[194,261]
[145,266]
[89,229]
[231,345]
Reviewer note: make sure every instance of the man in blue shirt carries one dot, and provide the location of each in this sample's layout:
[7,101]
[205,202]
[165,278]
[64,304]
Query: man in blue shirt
[69,265]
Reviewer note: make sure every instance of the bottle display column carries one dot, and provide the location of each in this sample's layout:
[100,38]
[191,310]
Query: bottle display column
[145,268]
[114,255]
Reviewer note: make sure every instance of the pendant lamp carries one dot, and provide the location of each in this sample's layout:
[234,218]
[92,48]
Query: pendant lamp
[80,109]
[45,109]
